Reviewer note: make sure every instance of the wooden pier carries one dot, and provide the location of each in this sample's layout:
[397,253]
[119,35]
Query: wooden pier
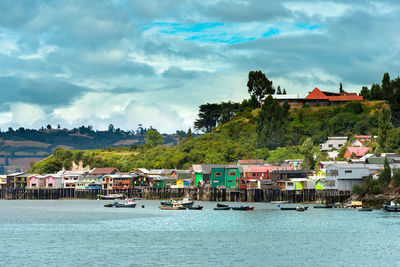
[201,194]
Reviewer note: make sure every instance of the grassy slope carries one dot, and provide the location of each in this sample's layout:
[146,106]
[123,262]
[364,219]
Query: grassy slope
[227,143]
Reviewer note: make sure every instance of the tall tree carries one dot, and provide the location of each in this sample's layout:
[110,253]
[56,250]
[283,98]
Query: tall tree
[189,133]
[376,92]
[153,138]
[387,90]
[111,128]
[271,125]
[365,93]
[279,92]
[384,125]
[259,86]
[386,175]
[207,118]
[341,88]
[284,91]
[307,148]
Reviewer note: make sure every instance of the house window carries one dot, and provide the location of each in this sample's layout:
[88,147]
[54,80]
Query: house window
[340,145]
[290,184]
[218,174]
[348,171]
[332,173]
[232,173]
[254,174]
[330,145]
[243,182]
[230,181]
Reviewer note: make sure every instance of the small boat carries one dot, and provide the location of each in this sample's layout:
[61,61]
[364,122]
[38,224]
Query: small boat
[279,202]
[222,208]
[301,208]
[172,207]
[129,203]
[365,209]
[243,208]
[186,202]
[391,206]
[288,208]
[109,205]
[198,207]
[111,196]
[323,207]
[222,205]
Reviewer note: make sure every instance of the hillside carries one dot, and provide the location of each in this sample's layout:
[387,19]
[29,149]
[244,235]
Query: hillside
[230,141]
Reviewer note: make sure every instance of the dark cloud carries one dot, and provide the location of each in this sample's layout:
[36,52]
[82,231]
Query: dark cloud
[43,92]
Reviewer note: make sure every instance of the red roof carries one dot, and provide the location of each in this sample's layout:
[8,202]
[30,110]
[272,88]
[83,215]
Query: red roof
[103,171]
[359,151]
[317,94]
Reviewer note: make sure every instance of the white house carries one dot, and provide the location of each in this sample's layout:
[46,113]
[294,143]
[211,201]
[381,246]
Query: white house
[333,143]
[345,176]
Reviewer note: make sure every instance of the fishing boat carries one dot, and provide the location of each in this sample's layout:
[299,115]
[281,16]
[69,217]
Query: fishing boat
[109,205]
[222,205]
[173,207]
[129,203]
[288,208]
[186,202]
[391,206]
[222,208]
[111,196]
[279,202]
[243,208]
[198,207]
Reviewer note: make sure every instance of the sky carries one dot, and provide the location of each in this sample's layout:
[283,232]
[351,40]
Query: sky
[130,62]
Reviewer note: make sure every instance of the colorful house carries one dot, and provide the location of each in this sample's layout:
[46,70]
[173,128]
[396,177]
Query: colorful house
[357,152]
[165,182]
[89,182]
[225,176]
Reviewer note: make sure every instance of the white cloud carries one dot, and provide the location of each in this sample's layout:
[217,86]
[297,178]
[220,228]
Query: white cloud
[26,114]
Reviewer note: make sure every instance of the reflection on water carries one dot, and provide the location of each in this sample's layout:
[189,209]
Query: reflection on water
[80,233]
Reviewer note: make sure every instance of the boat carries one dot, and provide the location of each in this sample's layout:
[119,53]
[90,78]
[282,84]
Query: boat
[222,205]
[288,208]
[129,203]
[301,208]
[323,207]
[111,196]
[186,202]
[109,205]
[222,208]
[365,209]
[198,207]
[279,202]
[393,206]
[172,207]
[243,208]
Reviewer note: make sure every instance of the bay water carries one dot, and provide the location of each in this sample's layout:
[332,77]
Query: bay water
[85,233]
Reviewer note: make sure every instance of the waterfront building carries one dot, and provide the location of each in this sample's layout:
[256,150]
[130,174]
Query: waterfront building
[123,181]
[103,171]
[71,177]
[259,176]
[225,176]
[37,182]
[53,181]
[165,182]
[3,182]
[21,181]
[89,182]
[333,143]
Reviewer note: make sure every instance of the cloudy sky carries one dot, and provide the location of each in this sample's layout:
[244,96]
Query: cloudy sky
[154,62]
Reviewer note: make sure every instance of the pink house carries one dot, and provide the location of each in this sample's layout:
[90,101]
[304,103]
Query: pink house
[36,182]
[358,151]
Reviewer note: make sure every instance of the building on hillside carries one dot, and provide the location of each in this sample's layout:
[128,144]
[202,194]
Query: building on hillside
[344,176]
[294,164]
[323,98]
[259,162]
[356,152]
[292,100]
[103,171]
[333,143]
[333,154]
[324,164]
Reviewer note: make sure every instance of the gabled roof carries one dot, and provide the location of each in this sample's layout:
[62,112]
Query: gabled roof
[103,171]
[359,151]
[251,161]
[317,94]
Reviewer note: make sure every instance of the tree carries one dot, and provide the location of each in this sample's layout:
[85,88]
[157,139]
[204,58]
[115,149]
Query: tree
[284,91]
[111,128]
[189,133]
[180,136]
[259,86]
[58,126]
[48,127]
[396,178]
[307,148]
[341,88]
[376,92]
[279,92]
[386,175]
[365,93]
[384,125]
[387,91]
[153,138]
[271,125]
[208,117]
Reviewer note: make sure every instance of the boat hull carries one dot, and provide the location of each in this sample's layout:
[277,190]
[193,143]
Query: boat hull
[222,208]
[171,208]
[124,205]
[195,207]
[323,207]
[243,208]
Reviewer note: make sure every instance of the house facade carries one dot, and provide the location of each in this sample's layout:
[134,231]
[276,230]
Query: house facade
[333,143]
[225,176]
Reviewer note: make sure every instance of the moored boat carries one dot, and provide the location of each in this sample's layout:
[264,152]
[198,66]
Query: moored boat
[186,202]
[301,208]
[111,196]
[288,208]
[198,207]
[109,205]
[222,205]
[243,208]
[323,207]
[365,209]
[222,208]
[129,203]
[172,207]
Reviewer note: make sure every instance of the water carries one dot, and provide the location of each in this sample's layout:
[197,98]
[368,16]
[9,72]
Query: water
[84,233]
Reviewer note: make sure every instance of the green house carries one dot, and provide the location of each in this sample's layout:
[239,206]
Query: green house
[225,176]
[164,183]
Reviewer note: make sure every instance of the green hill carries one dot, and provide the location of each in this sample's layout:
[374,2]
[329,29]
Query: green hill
[230,141]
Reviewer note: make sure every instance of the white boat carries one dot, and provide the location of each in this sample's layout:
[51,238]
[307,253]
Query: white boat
[111,196]
[128,203]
